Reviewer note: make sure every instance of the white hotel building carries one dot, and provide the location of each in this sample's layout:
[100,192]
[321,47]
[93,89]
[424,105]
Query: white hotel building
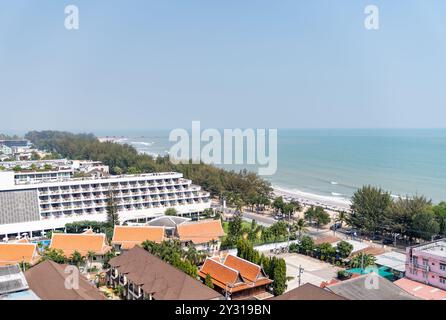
[31,206]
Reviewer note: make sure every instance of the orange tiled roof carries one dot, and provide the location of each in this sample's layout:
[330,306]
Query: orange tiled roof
[200,231]
[82,243]
[13,253]
[248,270]
[129,236]
[235,274]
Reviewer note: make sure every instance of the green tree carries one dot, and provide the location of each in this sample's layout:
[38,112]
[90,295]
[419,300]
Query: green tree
[344,248]
[112,209]
[170,212]
[279,284]
[90,257]
[306,245]
[322,217]
[208,281]
[369,209]
[440,215]
[362,260]
[76,258]
[235,226]
[278,204]
[326,249]
[55,255]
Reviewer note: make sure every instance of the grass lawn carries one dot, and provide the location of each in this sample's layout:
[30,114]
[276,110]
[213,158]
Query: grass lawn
[225,225]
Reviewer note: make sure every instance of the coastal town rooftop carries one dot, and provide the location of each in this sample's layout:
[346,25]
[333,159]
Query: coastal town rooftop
[129,236]
[308,291]
[5,175]
[82,243]
[200,232]
[18,252]
[48,280]
[421,290]
[436,248]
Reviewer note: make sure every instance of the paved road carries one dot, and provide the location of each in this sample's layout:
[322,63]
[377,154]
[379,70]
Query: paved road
[260,219]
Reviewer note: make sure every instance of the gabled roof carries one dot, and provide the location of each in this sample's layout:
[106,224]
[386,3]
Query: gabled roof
[167,221]
[308,291]
[13,253]
[248,270]
[159,278]
[200,231]
[234,274]
[47,280]
[82,243]
[129,236]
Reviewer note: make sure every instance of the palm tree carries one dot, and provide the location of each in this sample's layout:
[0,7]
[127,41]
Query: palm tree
[300,226]
[362,260]
[341,217]
[90,256]
[76,258]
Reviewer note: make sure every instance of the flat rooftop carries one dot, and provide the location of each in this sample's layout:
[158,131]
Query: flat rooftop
[437,248]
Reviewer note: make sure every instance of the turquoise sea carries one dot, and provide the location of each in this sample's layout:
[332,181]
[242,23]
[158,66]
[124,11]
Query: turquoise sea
[336,162]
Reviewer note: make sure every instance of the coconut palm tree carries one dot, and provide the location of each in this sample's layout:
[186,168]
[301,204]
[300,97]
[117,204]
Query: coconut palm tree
[90,256]
[362,260]
[341,217]
[77,259]
[300,227]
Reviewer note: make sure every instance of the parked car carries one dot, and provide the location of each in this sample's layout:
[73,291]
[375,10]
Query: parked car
[336,226]
[387,241]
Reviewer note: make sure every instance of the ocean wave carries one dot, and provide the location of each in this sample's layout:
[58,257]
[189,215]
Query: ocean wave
[333,182]
[335,194]
[331,200]
[147,144]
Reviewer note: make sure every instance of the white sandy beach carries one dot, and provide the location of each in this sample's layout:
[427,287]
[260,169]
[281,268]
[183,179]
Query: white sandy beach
[309,199]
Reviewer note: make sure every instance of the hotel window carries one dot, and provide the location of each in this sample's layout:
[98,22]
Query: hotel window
[443,280]
[443,266]
[424,274]
[425,262]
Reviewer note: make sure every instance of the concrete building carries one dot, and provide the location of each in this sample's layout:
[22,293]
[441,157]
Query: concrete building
[36,207]
[426,263]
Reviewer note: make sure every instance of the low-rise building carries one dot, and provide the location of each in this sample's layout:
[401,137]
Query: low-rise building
[18,252]
[426,263]
[52,281]
[420,290]
[369,287]
[237,278]
[82,243]
[126,237]
[205,235]
[13,284]
[143,276]
[308,291]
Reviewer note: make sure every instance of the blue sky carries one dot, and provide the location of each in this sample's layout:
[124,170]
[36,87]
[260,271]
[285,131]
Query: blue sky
[260,64]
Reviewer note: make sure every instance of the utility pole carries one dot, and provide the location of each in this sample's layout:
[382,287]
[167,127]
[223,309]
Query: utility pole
[301,270]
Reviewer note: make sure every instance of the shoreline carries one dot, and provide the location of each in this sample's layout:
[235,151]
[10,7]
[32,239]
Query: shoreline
[310,199]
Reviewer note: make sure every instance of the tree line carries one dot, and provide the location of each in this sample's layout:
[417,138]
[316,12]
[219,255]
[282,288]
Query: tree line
[375,212]
[245,187]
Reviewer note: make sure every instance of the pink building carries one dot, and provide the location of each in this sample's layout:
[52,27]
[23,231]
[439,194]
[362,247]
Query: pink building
[426,263]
